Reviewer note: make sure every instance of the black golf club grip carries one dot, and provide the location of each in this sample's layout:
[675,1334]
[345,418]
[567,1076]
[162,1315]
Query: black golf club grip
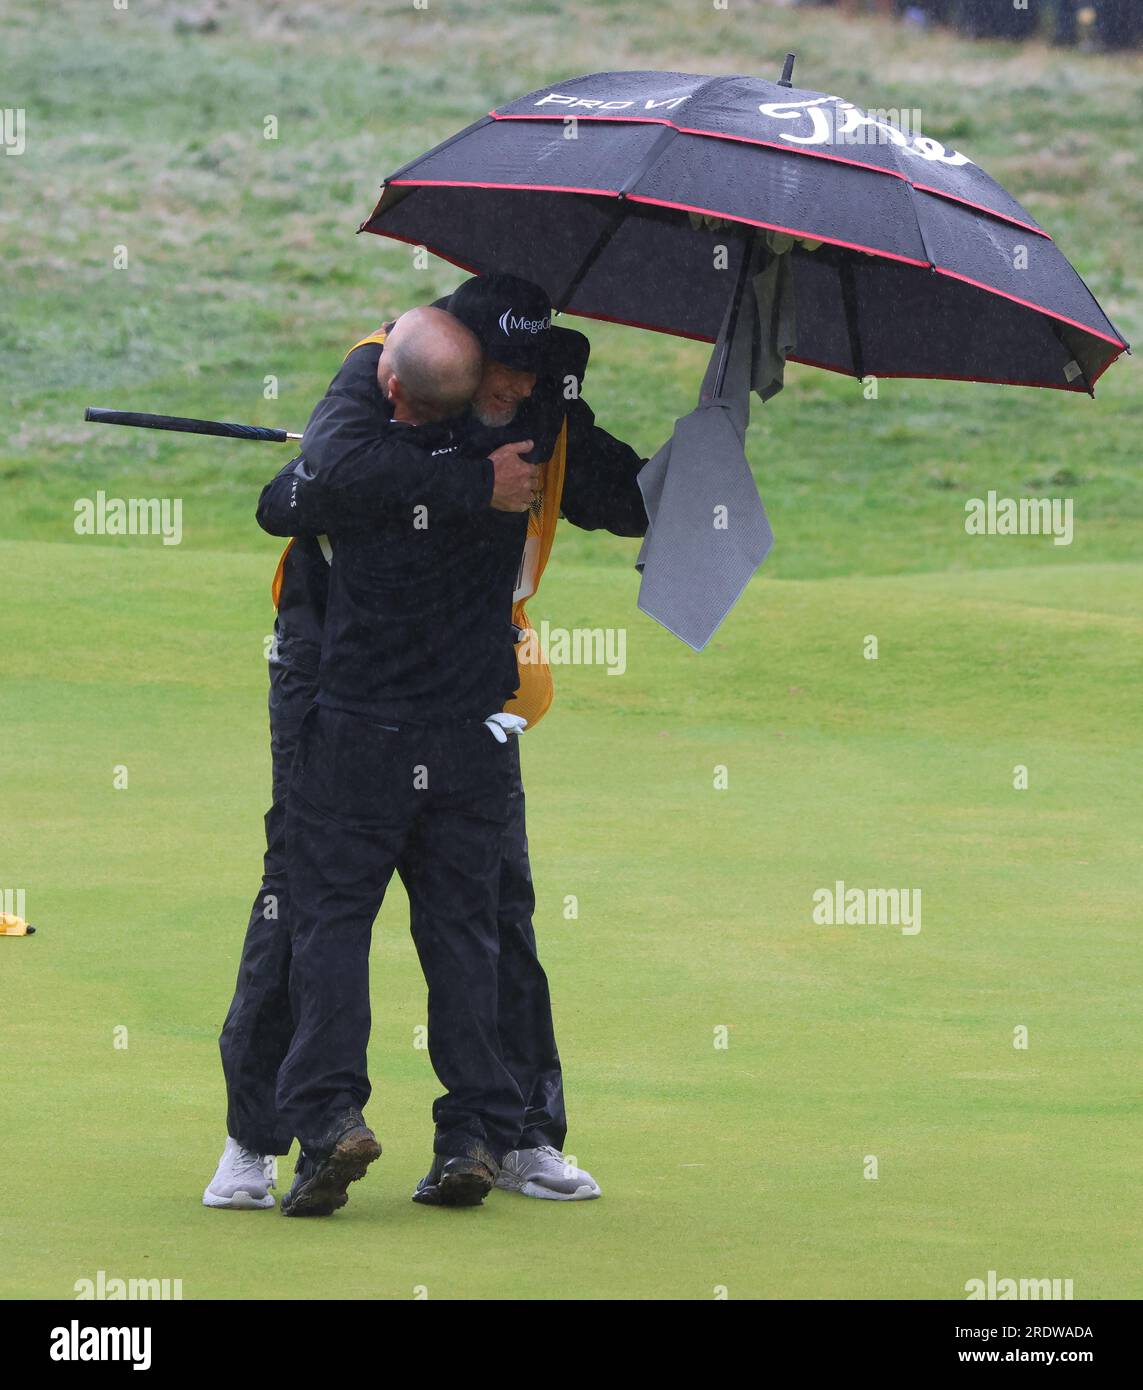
[178,422]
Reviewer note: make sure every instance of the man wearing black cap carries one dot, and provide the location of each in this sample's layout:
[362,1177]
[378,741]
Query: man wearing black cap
[523,393]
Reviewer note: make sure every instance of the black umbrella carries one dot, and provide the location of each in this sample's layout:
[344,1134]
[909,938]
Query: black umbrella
[851,243]
[616,191]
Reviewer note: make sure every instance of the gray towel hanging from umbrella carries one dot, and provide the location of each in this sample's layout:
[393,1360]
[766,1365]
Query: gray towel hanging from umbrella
[708,531]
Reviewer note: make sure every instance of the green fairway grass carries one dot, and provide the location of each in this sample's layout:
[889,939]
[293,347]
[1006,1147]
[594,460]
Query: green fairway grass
[737,1167]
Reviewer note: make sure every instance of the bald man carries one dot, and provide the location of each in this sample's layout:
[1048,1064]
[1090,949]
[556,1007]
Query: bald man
[402,763]
[432,367]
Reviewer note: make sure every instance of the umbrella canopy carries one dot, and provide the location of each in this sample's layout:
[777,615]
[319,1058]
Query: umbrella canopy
[632,197]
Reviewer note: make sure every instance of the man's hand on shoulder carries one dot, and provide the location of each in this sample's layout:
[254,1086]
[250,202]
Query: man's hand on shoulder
[514,481]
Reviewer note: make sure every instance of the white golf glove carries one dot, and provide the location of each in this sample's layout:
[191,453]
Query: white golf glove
[504,724]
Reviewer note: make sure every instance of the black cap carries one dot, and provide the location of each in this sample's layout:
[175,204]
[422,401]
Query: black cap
[511,317]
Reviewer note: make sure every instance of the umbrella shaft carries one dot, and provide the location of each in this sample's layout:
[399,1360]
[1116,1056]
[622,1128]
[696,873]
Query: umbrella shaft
[732,322]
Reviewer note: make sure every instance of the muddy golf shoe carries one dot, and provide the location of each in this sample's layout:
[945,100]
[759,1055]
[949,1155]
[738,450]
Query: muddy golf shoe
[242,1181]
[546,1173]
[457,1182]
[321,1177]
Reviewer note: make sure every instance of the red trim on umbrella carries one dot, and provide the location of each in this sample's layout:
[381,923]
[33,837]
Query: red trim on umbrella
[845,371]
[777,227]
[518,187]
[981,207]
[786,149]
[1028,304]
[415,241]
[1120,346]
[1080,389]
[661,203]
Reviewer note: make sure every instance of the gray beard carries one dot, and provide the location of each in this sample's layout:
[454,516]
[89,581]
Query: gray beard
[495,419]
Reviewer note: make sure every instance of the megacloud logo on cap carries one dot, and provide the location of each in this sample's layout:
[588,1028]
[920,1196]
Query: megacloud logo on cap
[510,323]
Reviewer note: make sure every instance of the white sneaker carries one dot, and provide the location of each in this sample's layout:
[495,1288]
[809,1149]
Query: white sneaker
[243,1180]
[545,1172]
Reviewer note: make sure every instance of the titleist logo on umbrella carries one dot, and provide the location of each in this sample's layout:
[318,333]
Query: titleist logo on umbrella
[818,124]
[845,123]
